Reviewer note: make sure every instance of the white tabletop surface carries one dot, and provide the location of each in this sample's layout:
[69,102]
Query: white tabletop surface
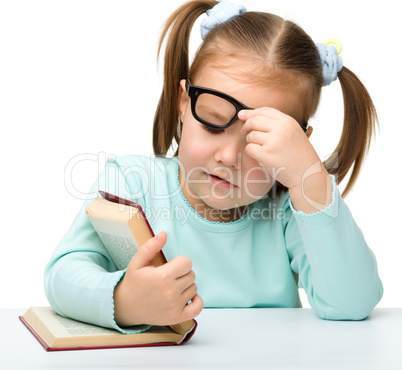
[231,339]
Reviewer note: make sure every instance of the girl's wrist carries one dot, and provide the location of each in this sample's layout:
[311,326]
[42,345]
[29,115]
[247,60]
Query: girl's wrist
[121,316]
[313,194]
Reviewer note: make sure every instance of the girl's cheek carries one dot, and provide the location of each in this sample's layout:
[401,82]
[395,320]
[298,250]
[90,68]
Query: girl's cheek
[257,180]
[196,144]
[192,148]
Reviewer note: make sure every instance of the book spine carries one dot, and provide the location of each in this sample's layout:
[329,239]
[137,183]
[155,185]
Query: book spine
[115,199]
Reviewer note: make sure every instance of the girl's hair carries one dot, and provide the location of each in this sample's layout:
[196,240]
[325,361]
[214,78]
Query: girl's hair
[283,54]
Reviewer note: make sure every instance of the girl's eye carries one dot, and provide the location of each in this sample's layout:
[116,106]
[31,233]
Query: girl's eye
[212,130]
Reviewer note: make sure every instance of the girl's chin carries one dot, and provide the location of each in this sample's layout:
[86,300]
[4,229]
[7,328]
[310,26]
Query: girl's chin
[214,214]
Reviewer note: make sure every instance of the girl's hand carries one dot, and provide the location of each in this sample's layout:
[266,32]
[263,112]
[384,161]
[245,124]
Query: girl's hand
[277,142]
[156,295]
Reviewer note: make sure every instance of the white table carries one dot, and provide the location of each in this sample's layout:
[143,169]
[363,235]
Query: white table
[232,339]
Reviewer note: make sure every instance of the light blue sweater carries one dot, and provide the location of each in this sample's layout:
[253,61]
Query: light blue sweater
[257,261]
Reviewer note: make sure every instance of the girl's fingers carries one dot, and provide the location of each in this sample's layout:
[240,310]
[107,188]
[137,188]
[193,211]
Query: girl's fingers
[193,309]
[265,120]
[246,114]
[257,137]
[148,251]
[186,280]
[259,123]
[176,267]
[189,293]
[255,151]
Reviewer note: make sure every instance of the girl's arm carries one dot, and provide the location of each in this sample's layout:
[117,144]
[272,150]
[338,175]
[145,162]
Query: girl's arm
[80,276]
[335,266]
[327,250]
[82,282]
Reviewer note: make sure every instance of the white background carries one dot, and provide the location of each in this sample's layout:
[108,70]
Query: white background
[80,78]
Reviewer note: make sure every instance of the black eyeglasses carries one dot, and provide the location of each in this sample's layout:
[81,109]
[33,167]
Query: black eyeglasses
[214,108]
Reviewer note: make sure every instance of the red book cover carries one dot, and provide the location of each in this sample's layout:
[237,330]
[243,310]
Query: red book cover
[186,338]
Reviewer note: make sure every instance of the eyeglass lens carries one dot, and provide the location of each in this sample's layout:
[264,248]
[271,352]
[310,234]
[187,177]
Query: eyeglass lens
[213,109]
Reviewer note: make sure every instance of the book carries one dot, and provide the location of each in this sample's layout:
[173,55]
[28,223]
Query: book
[58,333]
[123,228]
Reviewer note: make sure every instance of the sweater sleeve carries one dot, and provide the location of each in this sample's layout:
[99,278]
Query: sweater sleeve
[81,276]
[335,267]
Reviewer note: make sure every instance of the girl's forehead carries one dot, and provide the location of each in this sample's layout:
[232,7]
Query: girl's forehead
[233,80]
[243,74]
[226,69]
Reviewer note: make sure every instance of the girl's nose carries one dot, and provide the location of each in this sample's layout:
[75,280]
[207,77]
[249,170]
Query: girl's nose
[231,150]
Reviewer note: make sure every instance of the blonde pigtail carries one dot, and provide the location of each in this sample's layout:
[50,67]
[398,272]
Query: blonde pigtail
[166,128]
[359,125]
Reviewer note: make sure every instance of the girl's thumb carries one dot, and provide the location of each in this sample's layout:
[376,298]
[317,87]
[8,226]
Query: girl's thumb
[148,251]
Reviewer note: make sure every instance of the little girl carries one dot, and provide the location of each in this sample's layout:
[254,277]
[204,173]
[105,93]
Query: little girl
[245,211]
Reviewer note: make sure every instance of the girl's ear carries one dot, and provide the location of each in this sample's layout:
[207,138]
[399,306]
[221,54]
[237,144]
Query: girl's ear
[309,131]
[183,99]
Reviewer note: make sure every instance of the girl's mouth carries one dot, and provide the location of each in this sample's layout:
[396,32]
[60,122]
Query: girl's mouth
[218,181]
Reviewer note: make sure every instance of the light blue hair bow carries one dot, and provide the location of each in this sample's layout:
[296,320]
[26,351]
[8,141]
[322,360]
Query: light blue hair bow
[220,13]
[331,62]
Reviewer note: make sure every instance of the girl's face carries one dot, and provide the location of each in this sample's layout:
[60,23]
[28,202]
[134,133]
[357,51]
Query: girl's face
[215,171]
